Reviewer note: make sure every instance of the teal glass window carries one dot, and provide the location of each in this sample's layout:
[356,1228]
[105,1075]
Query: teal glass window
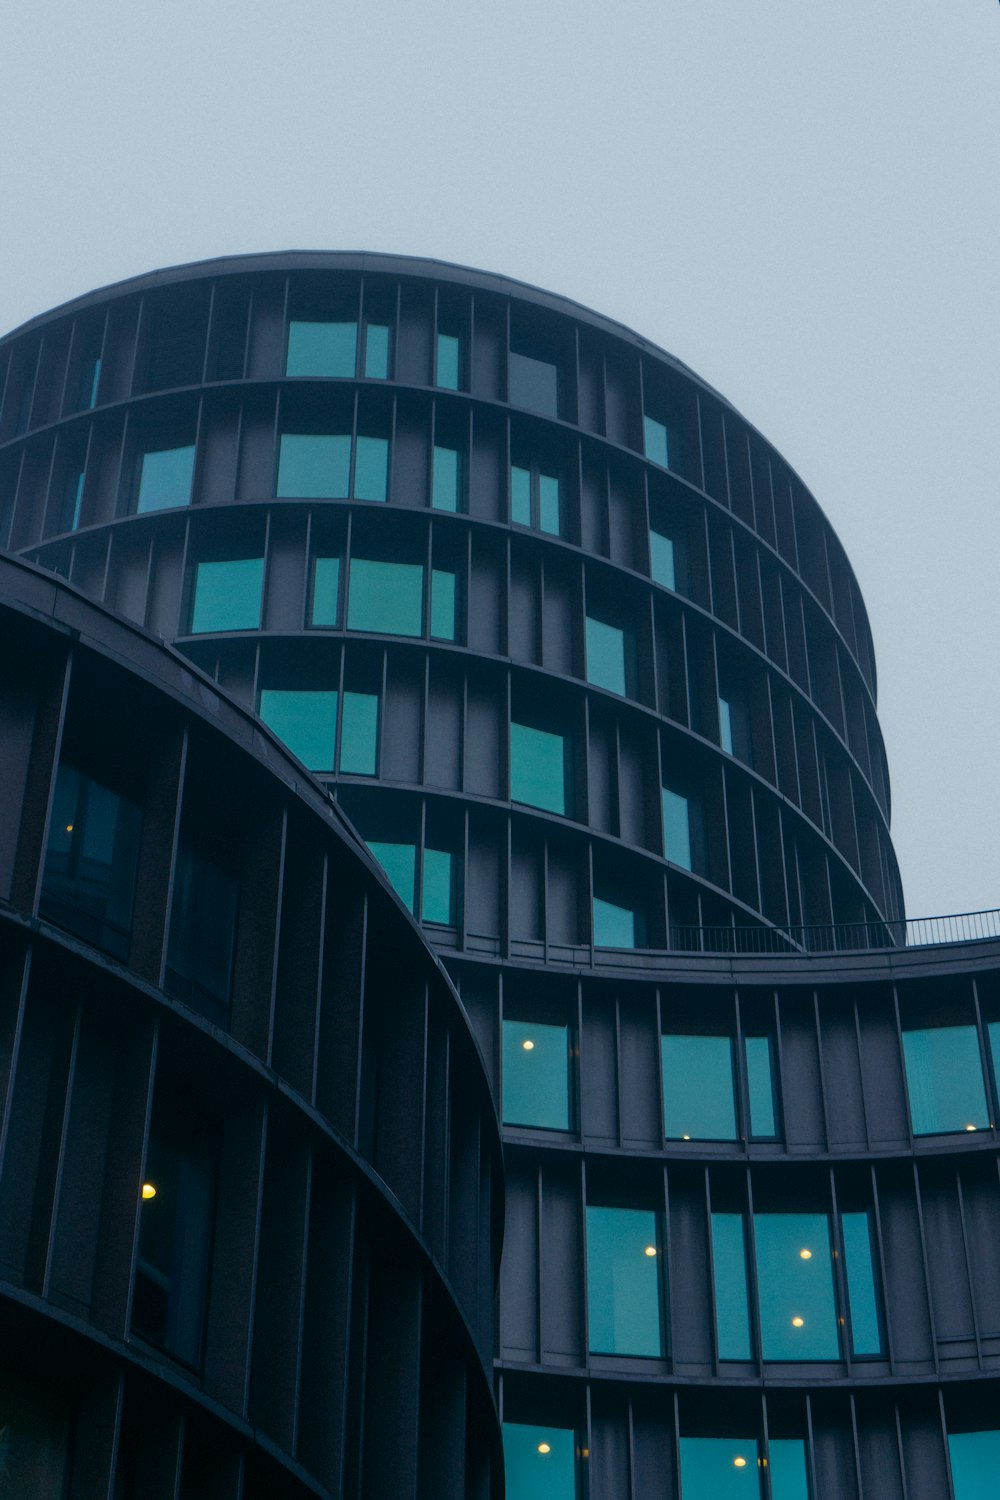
[449,351]
[322,348]
[725,726]
[549,505]
[655,435]
[386,597]
[975,1464]
[371,468]
[760,1086]
[438,900]
[614,926]
[944,1078]
[72,502]
[536,500]
[676,828]
[90,861]
[605,656]
[539,1462]
[624,1302]
[306,721]
[445,479]
[377,351]
[661,560]
[699,1102]
[314,465]
[326,591]
[359,734]
[866,1331]
[399,861]
[442,605]
[787,1465]
[227,595]
[534,384]
[165,479]
[732,1302]
[537,768]
[719,1469]
[536,1075]
[520,496]
[798,1316]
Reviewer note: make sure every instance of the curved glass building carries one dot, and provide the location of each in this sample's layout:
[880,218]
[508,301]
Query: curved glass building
[580,659]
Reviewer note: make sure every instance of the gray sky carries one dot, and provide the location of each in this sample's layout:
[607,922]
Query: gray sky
[797,197]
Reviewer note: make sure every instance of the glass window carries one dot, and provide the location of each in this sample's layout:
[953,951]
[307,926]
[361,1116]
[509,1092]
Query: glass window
[202,938]
[90,861]
[655,434]
[536,500]
[438,899]
[698,1096]
[661,560]
[944,1077]
[798,1317]
[371,468]
[359,730]
[725,726]
[614,926]
[537,768]
[719,1469]
[676,829]
[399,862]
[445,479]
[165,479]
[520,495]
[35,1445]
[539,1462]
[624,1304]
[386,597]
[321,348]
[175,1241]
[449,351]
[760,1086]
[326,590]
[732,1303]
[305,720]
[549,511]
[72,501]
[866,1331]
[787,1464]
[534,384]
[377,351]
[314,465]
[605,656]
[975,1464]
[227,595]
[442,605]
[90,379]
[536,1075]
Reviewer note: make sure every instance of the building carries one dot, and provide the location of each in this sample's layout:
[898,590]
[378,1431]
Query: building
[585,666]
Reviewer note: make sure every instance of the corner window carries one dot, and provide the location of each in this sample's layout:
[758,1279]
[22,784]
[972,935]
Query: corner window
[449,362]
[539,1462]
[662,560]
[944,1080]
[446,479]
[537,768]
[975,1464]
[656,442]
[314,465]
[536,1075]
[605,656]
[90,861]
[306,721]
[624,1293]
[535,500]
[615,926]
[165,479]
[227,595]
[676,829]
[322,349]
[699,1101]
[534,384]
[175,1242]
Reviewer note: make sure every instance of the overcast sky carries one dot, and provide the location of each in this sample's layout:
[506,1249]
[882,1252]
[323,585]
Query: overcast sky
[799,198]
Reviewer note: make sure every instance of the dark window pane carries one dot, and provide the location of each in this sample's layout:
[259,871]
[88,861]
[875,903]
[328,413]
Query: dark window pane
[442,605]
[614,926]
[90,379]
[725,726]
[202,927]
[438,904]
[605,656]
[698,1099]
[798,1318]
[866,1333]
[377,351]
[537,768]
[165,479]
[676,829]
[444,479]
[371,468]
[227,595]
[305,721]
[719,1469]
[760,1085]
[399,863]
[326,588]
[944,1077]
[655,435]
[90,861]
[534,384]
[322,348]
[540,1462]
[732,1306]
[359,748]
[623,1282]
[549,505]
[975,1464]
[35,1446]
[175,1237]
[520,495]
[787,1463]
[386,597]
[448,353]
[314,465]
[536,1075]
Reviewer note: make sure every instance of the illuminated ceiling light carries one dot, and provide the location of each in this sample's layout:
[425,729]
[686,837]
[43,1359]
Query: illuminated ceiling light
[798,1322]
[650,1251]
[528,1045]
[805,1255]
[544,1448]
[739,1463]
[69,828]
[148,1190]
[685,1137]
[971,1127]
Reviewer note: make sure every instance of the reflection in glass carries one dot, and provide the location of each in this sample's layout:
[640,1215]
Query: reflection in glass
[520,495]
[623,1281]
[306,721]
[944,1078]
[866,1333]
[386,597]
[537,768]
[175,1235]
[732,1305]
[536,1075]
[90,861]
[371,468]
[605,656]
[321,348]
[445,479]
[314,465]
[787,1464]
[359,734]
[676,829]
[227,595]
[165,479]
[719,1469]
[975,1464]
[614,926]
[725,726]
[399,861]
[549,508]
[377,351]
[661,560]
[798,1317]
[540,1462]
[655,434]
[698,1097]
[326,588]
[448,354]
[760,1086]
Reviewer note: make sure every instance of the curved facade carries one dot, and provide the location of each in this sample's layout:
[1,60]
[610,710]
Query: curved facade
[586,667]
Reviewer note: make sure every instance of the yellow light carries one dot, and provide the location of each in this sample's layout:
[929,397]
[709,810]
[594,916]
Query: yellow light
[544,1448]
[650,1251]
[739,1463]
[148,1190]
[685,1137]
[528,1046]
[805,1255]
[798,1322]
[69,828]
[970,1127]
